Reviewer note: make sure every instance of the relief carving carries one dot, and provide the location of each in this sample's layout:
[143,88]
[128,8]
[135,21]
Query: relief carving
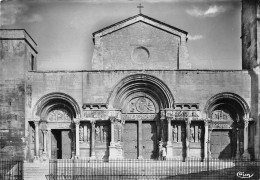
[81,134]
[141,105]
[102,133]
[221,115]
[58,115]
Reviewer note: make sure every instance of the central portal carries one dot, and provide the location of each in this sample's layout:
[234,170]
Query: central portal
[149,140]
[130,140]
[61,144]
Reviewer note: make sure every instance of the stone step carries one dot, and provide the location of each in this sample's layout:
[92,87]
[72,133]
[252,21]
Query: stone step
[36,170]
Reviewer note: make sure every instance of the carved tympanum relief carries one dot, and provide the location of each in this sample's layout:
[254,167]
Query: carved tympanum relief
[59,115]
[141,105]
[221,115]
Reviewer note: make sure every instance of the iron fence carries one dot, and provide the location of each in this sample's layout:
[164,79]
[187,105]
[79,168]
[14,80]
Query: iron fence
[148,169]
[11,169]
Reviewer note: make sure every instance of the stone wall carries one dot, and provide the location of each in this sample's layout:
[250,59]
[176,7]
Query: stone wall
[140,43]
[16,48]
[249,34]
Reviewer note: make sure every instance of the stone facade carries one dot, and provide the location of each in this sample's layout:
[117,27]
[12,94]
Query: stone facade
[139,97]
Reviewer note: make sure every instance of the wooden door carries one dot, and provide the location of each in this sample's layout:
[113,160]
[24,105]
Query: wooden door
[130,140]
[149,140]
[220,144]
[66,144]
[55,144]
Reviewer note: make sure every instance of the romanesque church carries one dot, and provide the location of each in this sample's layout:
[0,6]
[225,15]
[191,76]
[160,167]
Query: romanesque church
[140,96]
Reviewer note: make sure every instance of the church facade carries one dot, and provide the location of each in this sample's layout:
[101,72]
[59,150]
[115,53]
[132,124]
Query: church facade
[139,97]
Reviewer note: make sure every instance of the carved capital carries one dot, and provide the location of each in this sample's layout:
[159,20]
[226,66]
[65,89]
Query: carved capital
[36,123]
[246,121]
[188,121]
[113,119]
[76,121]
[207,121]
[93,122]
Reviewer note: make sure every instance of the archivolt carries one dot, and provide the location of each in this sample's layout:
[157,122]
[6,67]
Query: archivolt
[231,100]
[144,83]
[55,100]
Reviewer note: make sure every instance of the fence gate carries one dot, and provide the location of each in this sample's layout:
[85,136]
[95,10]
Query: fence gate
[11,169]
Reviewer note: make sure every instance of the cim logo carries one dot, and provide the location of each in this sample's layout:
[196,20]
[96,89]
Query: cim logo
[244,175]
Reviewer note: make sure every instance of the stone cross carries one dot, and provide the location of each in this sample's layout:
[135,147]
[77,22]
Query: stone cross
[140,8]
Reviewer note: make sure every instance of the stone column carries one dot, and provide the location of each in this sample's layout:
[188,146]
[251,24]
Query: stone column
[206,136]
[49,142]
[237,143]
[93,154]
[209,138]
[112,147]
[44,143]
[140,140]
[36,136]
[169,142]
[73,131]
[188,122]
[77,122]
[246,154]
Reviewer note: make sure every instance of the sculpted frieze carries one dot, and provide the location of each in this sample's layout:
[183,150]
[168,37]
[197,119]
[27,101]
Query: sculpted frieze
[96,114]
[217,125]
[139,116]
[183,114]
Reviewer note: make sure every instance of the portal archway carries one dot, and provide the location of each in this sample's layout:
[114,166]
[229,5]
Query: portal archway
[227,112]
[56,112]
[140,98]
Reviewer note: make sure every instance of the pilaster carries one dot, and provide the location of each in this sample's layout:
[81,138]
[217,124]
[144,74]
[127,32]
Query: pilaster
[36,123]
[169,142]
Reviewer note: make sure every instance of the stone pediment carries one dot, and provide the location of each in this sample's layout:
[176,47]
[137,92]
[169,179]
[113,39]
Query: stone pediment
[139,18]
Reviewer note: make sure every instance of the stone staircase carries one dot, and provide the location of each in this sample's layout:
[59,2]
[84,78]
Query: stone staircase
[36,170]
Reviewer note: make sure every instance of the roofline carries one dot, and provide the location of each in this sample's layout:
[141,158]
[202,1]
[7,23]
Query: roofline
[141,70]
[26,37]
[24,31]
[147,17]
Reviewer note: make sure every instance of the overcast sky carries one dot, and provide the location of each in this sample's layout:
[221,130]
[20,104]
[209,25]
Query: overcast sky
[63,28]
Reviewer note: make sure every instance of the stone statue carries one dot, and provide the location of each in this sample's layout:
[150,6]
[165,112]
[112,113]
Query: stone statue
[97,129]
[81,134]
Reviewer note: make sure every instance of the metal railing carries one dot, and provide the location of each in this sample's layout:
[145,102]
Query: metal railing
[148,169]
[11,169]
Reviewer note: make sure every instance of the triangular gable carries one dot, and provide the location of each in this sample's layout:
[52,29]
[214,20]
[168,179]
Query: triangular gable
[135,19]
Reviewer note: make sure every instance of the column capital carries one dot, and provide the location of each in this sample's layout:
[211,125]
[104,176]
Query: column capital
[76,121]
[207,121]
[246,121]
[188,120]
[169,119]
[93,122]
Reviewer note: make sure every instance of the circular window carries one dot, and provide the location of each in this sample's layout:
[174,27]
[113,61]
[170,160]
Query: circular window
[140,55]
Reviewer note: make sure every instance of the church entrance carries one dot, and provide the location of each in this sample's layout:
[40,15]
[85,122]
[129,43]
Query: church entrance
[61,144]
[130,140]
[220,144]
[149,140]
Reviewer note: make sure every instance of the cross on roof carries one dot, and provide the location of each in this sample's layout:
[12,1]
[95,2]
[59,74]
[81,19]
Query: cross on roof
[140,8]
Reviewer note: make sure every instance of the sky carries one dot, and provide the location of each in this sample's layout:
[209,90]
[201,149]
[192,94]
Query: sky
[63,29]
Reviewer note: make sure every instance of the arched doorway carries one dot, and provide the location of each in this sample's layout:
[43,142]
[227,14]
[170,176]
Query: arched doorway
[226,129]
[56,112]
[140,98]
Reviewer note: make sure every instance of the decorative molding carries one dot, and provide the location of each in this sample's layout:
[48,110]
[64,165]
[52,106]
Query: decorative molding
[90,106]
[184,114]
[186,106]
[138,116]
